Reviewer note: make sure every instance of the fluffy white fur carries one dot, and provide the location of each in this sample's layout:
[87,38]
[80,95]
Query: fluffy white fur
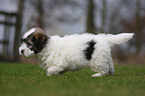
[62,54]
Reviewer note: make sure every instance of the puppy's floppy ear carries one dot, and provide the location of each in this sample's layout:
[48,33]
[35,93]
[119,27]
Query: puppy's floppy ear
[39,40]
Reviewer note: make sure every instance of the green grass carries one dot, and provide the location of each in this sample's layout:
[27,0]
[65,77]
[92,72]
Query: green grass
[31,80]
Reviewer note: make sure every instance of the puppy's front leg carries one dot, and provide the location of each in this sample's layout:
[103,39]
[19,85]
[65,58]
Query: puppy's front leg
[53,70]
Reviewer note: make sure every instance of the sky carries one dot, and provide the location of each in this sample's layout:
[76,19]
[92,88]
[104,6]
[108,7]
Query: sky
[8,5]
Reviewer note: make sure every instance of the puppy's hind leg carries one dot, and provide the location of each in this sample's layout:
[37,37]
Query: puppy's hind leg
[107,67]
[101,71]
[111,66]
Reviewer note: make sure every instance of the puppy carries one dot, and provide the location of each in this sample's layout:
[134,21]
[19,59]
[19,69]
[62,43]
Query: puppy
[58,55]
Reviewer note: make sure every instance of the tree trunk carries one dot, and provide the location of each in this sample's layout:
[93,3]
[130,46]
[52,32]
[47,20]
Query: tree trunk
[90,26]
[138,28]
[104,4]
[18,30]
[40,10]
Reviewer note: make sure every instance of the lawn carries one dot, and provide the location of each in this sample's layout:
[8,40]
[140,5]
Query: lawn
[30,80]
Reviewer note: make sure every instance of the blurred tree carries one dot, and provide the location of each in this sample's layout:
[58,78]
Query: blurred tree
[136,25]
[138,28]
[44,10]
[38,7]
[18,30]
[90,25]
[104,12]
[114,16]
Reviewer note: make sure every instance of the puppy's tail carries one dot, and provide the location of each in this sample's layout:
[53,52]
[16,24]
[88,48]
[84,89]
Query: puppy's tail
[119,39]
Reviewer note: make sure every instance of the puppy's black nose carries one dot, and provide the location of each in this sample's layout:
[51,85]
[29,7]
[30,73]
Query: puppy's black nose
[22,51]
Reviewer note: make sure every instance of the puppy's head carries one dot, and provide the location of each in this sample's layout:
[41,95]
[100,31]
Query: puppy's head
[32,42]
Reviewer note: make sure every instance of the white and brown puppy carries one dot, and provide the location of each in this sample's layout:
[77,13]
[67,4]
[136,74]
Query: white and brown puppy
[33,42]
[72,52]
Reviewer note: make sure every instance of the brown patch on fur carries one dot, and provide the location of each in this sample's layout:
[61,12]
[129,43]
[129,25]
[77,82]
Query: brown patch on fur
[39,35]
[37,40]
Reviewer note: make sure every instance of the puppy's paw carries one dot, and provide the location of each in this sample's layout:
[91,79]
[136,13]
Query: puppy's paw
[48,74]
[98,75]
